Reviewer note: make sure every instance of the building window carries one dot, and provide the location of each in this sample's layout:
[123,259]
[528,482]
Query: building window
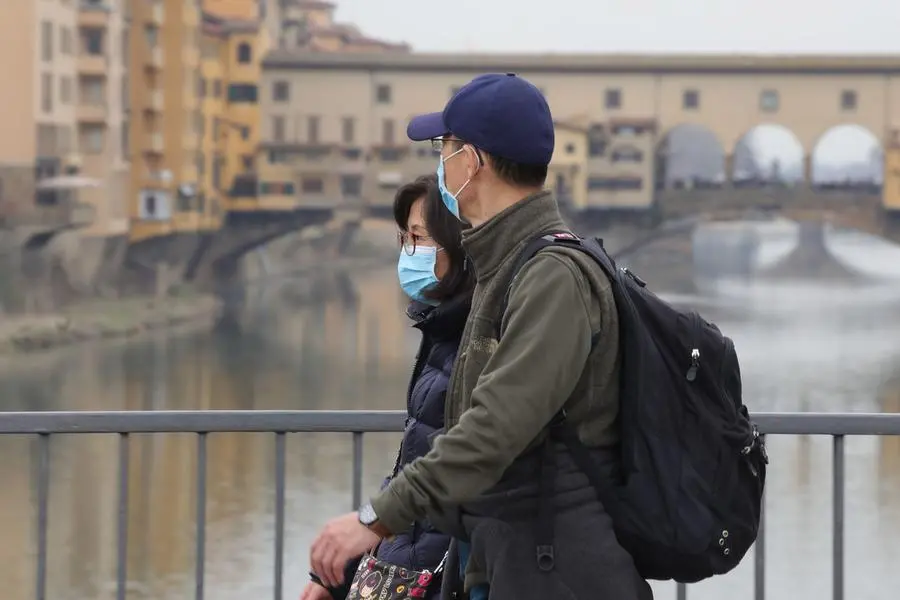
[92,41]
[243,93]
[627,154]
[151,34]
[47,92]
[570,148]
[248,161]
[46,41]
[768,101]
[281,91]
[597,141]
[312,129]
[65,89]
[383,93]
[351,186]
[387,132]
[126,139]
[217,88]
[348,130]
[201,87]
[313,185]
[93,91]
[271,188]
[614,98]
[65,40]
[91,139]
[154,205]
[126,46]
[278,129]
[615,184]
[690,100]
[218,165]
[848,100]
[244,53]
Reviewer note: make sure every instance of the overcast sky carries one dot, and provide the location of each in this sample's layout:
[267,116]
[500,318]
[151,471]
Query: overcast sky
[805,26]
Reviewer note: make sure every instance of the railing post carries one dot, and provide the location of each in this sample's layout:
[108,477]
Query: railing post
[837,521]
[759,549]
[357,468]
[279,513]
[43,492]
[200,567]
[122,542]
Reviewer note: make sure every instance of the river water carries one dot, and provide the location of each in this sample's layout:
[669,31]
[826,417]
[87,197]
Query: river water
[342,342]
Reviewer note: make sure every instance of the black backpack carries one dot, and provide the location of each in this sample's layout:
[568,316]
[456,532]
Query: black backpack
[693,466]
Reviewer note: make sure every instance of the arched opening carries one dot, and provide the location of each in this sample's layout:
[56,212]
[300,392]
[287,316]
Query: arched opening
[689,156]
[767,156]
[847,157]
[244,53]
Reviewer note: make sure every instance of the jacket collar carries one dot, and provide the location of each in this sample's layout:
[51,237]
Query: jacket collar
[444,321]
[490,244]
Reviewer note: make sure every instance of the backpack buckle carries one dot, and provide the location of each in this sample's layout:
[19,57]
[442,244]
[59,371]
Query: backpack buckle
[545,558]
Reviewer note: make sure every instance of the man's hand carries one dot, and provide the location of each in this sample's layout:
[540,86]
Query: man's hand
[341,539]
[314,591]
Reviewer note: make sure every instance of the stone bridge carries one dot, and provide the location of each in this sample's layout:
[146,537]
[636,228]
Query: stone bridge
[676,212]
[213,257]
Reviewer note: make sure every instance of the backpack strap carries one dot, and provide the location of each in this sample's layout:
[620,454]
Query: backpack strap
[559,428]
[593,247]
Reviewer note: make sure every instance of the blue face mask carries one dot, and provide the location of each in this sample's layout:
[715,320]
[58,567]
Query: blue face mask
[449,199]
[416,272]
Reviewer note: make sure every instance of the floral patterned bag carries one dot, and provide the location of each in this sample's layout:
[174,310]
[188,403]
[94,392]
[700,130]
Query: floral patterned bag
[379,580]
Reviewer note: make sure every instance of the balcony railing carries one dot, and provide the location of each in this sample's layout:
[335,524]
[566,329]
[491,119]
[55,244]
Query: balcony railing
[45,425]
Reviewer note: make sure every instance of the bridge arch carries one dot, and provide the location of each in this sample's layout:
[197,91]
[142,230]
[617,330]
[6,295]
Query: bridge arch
[689,155]
[769,154]
[847,157]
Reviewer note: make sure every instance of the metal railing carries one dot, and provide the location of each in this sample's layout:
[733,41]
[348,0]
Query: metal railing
[357,423]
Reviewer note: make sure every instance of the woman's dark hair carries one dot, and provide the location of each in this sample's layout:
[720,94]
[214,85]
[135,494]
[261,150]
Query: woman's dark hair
[446,231]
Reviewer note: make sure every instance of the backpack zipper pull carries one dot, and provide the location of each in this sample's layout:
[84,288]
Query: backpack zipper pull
[695,364]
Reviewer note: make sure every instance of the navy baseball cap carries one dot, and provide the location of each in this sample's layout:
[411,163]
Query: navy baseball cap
[502,114]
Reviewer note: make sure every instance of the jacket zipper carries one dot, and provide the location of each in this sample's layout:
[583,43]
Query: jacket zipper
[416,370]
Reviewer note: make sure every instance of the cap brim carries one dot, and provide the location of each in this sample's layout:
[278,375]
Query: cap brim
[426,127]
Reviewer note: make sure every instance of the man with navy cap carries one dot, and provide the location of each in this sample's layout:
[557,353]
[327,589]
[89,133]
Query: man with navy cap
[554,347]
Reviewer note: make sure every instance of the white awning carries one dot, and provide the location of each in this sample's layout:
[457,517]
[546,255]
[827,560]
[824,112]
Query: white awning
[68,182]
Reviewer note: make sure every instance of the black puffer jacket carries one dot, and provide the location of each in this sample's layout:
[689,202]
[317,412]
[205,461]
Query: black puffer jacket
[422,547]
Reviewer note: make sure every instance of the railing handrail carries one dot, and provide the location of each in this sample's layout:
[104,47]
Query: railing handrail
[280,422]
[365,421]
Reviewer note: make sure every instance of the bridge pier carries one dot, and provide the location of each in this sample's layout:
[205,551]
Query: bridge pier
[811,259]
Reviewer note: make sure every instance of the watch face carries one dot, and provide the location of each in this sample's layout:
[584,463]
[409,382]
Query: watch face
[367,515]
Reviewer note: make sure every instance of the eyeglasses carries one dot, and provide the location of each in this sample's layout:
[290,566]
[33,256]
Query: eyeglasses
[437,144]
[407,241]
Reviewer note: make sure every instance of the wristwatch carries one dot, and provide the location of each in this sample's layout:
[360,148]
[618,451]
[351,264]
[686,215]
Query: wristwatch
[368,518]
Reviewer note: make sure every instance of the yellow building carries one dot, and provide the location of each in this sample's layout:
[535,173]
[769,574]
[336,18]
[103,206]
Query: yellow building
[231,50]
[196,75]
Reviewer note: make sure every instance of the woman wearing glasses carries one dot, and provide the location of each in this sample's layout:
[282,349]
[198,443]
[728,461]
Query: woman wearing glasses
[433,273]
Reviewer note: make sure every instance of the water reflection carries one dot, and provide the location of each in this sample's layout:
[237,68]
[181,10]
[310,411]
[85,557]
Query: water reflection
[341,342]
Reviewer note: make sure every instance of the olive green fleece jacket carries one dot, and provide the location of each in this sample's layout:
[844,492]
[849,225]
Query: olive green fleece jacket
[504,393]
